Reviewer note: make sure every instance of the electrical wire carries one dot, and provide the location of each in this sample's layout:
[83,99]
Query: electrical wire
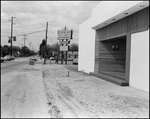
[30,33]
[7,15]
[5,12]
[3,36]
[14,15]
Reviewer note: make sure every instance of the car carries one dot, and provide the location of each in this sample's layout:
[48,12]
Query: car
[34,58]
[52,58]
[12,57]
[75,61]
[2,59]
[7,58]
[70,59]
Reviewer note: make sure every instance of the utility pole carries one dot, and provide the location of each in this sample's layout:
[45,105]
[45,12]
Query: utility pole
[24,42]
[45,43]
[11,34]
[30,47]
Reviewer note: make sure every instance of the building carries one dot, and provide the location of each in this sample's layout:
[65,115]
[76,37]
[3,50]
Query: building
[114,43]
[72,54]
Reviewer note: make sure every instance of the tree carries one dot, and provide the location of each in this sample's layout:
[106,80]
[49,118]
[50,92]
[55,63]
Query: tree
[74,47]
[25,50]
[42,48]
[56,47]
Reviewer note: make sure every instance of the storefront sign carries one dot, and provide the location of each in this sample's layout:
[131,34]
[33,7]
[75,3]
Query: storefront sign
[64,34]
[64,48]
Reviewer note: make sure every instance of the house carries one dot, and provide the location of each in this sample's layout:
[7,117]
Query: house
[117,43]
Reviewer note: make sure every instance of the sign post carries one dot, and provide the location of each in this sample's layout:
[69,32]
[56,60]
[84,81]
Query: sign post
[64,36]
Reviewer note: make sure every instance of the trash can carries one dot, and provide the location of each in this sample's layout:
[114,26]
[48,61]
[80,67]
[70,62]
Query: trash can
[31,61]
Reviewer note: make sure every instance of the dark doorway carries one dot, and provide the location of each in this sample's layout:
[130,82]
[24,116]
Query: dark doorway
[112,57]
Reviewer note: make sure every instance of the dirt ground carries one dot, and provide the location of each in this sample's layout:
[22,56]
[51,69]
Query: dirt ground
[74,96]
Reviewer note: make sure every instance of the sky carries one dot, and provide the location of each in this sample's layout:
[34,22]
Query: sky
[32,16]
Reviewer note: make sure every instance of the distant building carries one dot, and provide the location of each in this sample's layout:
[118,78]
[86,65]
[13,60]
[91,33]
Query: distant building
[72,54]
[114,43]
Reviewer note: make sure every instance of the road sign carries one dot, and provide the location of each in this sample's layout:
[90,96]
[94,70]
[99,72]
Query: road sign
[64,48]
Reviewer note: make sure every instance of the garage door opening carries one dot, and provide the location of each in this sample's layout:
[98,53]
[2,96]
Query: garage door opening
[112,57]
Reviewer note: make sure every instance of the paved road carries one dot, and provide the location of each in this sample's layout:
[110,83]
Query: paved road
[9,66]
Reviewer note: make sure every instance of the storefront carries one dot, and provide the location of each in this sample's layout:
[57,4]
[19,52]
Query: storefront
[121,43]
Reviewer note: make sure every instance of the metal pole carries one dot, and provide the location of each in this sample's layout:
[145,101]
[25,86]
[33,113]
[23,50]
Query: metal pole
[45,43]
[24,43]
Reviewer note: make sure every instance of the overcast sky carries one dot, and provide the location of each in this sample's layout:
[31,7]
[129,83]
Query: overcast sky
[32,16]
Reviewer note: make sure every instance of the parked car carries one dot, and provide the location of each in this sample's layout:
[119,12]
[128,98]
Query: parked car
[34,58]
[52,58]
[7,58]
[70,59]
[75,61]
[2,59]
[12,57]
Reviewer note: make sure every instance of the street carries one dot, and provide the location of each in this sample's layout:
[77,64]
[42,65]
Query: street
[9,66]
[21,85]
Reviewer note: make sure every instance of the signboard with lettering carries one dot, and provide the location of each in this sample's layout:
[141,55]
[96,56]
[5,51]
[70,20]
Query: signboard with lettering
[64,48]
[65,34]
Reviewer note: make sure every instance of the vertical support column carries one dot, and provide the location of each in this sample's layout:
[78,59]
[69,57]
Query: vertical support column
[96,67]
[62,54]
[128,53]
[66,57]
[66,51]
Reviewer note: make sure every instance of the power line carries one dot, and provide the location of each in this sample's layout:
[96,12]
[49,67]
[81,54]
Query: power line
[7,15]
[5,12]
[30,33]
[14,15]
[3,36]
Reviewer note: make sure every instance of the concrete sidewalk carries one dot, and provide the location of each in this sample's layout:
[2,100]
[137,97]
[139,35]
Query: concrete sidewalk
[111,87]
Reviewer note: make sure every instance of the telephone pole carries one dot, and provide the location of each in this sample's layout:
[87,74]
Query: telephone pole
[30,47]
[24,42]
[11,34]
[45,43]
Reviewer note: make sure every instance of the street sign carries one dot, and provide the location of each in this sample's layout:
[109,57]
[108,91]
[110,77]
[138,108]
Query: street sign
[64,48]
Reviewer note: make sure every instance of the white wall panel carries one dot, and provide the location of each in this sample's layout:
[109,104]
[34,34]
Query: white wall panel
[86,47]
[139,62]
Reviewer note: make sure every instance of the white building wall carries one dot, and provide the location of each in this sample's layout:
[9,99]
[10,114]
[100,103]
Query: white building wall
[86,47]
[106,10]
[139,62]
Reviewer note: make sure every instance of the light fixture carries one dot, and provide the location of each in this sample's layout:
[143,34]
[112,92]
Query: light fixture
[113,47]
[126,13]
[117,47]
[142,5]
[113,19]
